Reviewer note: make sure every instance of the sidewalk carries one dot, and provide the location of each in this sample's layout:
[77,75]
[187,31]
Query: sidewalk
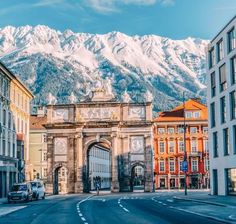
[224,201]
[3,200]
[221,208]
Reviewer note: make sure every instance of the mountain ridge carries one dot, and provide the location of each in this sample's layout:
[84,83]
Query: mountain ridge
[41,56]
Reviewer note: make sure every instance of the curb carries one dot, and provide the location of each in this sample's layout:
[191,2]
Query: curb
[205,216]
[200,201]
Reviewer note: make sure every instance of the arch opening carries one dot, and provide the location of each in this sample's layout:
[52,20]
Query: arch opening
[99,166]
[137,178]
[60,180]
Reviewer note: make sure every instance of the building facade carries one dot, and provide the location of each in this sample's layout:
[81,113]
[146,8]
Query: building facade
[38,145]
[125,129]
[8,155]
[169,147]
[20,97]
[221,94]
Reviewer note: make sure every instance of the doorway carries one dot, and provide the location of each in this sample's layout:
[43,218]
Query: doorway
[137,178]
[60,180]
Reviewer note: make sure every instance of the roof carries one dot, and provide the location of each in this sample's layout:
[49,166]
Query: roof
[177,114]
[223,29]
[14,78]
[36,123]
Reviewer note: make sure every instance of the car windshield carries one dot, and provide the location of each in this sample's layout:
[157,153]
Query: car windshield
[33,184]
[19,188]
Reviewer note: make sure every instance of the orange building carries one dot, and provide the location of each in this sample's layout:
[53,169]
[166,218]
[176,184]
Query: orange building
[169,146]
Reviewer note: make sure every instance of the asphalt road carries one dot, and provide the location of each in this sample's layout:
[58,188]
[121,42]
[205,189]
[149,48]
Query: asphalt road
[138,208]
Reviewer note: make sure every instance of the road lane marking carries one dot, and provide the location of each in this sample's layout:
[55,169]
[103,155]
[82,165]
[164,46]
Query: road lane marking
[78,208]
[119,203]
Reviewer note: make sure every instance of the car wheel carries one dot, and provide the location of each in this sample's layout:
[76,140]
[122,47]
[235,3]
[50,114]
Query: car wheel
[43,196]
[37,197]
[27,199]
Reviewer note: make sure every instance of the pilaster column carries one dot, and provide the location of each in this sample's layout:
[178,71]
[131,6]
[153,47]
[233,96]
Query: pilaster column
[79,163]
[50,161]
[114,174]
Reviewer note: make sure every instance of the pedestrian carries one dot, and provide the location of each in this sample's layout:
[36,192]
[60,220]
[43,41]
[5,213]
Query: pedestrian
[97,187]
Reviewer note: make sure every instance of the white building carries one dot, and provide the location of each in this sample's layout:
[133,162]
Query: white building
[221,92]
[8,155]
[99,166]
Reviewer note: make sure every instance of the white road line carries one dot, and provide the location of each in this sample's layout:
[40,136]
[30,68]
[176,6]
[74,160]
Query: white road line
[169,200]
[78,208]
[119,203]
[164,203]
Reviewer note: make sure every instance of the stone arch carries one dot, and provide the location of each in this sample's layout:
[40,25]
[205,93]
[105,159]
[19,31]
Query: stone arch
[104,142]
[55,176]
[138,180]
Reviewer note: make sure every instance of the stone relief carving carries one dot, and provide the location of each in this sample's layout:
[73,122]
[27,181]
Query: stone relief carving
[60,115]
[60,146]
[137,112]
[137,144]
[98,113]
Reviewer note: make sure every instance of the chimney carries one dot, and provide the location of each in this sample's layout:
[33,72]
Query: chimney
[41,111]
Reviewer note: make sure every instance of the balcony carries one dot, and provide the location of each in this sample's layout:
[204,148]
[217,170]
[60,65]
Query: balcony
[197,153]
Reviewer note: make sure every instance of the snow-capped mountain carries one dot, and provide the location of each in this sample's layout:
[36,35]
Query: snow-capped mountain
[67,63]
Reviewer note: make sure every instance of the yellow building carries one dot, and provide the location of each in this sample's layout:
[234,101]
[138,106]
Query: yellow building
[38,144]
[20,97]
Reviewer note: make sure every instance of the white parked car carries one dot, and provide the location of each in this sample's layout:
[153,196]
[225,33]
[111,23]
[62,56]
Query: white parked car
[38,189]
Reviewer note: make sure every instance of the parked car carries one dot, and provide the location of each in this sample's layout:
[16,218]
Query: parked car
[20,192]
[38,189]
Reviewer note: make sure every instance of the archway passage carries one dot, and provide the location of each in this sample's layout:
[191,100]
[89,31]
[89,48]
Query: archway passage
[60,180]
[99,167]
[137,178]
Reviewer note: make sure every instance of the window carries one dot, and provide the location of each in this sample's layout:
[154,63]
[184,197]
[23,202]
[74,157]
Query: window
[205,145]
[45,172]
[193,130]
[233,70]
[231,40]
[194,165]
[180,130]
[196,114]
[222,109]
[207,164]
[211,57]
[162,166]
[180,164]
[172,165]
[44,138]
[171,146]
[213,84]
[226,141]
[215,144]
[161,130]
[233,105]
[162,147]
[171,130]
[234,139]
[205,130]
[44,156]
[181,146]
[194,145]
[222,73]
[220,50]
[212,110]
[188,114]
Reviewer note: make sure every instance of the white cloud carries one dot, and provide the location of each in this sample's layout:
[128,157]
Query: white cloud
[108,6]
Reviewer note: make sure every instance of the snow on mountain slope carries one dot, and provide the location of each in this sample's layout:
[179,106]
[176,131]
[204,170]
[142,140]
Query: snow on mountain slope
[65,62]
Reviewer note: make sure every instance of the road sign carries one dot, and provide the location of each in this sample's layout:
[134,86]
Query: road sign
[184,166]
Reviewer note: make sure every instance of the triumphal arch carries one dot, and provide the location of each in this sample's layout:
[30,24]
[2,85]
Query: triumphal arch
[123,130]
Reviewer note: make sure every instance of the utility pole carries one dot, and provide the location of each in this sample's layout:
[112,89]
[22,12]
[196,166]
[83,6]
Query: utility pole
[185,152]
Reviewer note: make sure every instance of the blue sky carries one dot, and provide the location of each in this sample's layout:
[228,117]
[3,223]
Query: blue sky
[176,19]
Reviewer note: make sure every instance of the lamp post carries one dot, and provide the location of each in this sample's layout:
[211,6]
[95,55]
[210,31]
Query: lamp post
[185,152]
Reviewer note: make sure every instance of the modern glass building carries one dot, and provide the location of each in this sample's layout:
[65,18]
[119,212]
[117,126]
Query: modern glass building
[221,93]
